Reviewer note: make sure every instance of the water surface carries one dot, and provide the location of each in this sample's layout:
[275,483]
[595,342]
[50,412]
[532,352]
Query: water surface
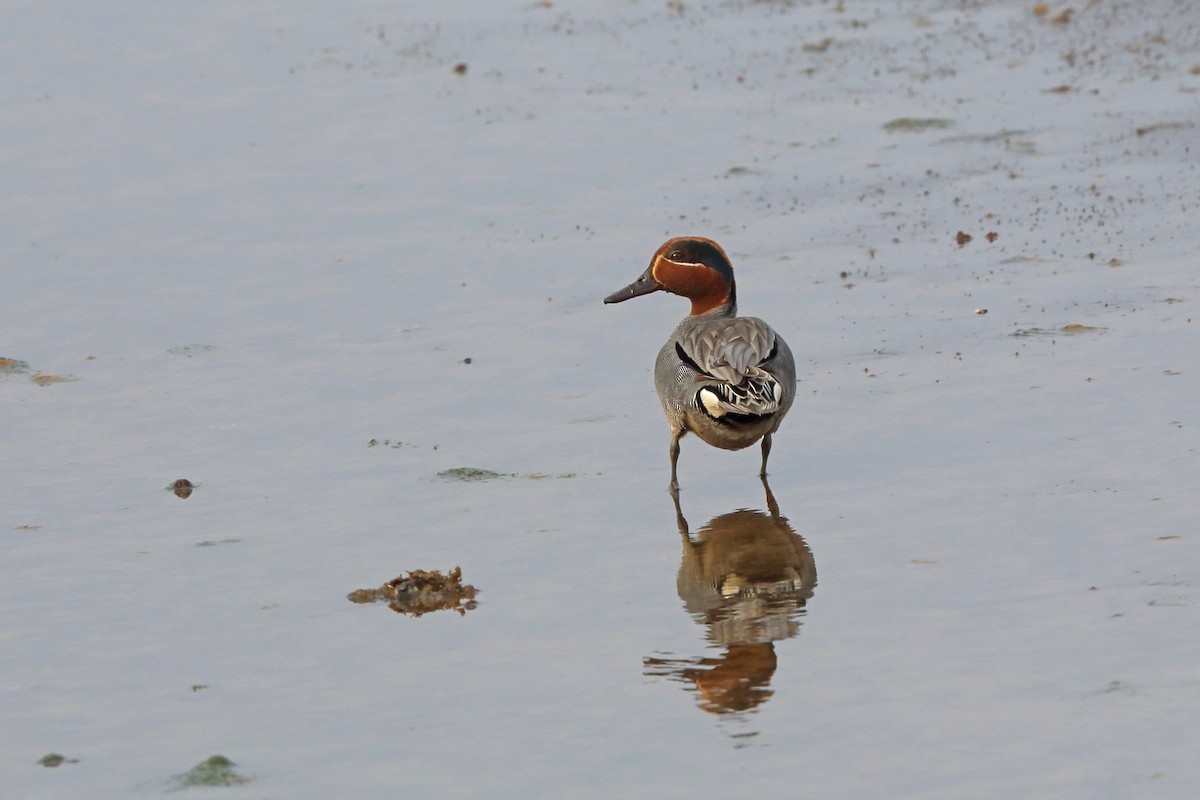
[310,259]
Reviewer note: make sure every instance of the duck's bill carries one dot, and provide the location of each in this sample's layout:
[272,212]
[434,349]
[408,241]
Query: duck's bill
[645,284]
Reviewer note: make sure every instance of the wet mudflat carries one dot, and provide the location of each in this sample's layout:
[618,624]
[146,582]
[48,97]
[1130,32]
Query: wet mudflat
[340,271]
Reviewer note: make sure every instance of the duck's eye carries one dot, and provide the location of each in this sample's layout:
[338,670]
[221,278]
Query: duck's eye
[675,255]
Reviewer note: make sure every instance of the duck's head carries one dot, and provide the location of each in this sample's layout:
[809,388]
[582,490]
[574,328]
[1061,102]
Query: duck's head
[690,266]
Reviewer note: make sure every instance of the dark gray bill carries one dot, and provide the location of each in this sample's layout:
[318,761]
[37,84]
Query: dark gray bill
[645,284]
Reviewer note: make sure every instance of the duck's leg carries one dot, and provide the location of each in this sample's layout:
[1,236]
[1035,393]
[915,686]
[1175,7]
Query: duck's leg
[674,450]
[772,506]
[766,450]
[680,521]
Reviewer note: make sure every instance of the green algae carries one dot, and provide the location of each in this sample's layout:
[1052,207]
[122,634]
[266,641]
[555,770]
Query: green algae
[213,771]
[53,760]
[11,366]
[477,474]
[470,474]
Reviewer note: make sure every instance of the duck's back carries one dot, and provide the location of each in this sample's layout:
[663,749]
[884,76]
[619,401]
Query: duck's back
[730,380]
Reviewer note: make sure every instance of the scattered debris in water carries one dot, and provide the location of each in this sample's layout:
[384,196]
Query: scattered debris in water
[962,239]
[468,474]
[213,771]
[1040,10]
[189,350]
[11,366]
[1116,687]
[1162,126]
[43,379]
[182,488]
[917,124]
[421,592]
[30,528]
[216,542]
[1004,135]
[737,172]
[1070,329]
[818,47]
[395,444]
[53,760]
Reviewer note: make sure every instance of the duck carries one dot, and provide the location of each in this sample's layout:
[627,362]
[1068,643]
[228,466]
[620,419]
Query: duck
[727,379]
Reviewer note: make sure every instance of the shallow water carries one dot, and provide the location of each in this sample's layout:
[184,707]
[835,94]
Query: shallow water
[253,240]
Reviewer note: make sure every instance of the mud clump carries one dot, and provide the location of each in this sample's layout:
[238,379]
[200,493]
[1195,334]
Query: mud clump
[420,592]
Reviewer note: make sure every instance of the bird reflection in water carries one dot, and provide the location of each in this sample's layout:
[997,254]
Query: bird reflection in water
[746,576]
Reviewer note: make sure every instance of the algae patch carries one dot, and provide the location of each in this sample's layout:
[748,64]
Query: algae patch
[1070,330]
[53,760]
[11,366]
[213,771]
[469,474]
[420,592]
